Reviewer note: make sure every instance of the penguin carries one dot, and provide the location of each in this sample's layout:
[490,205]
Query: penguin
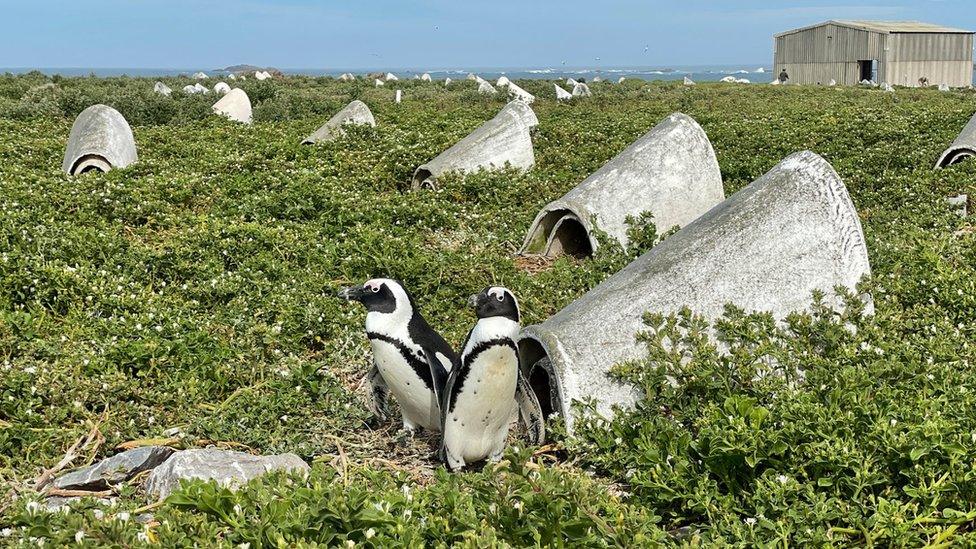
[411,361]
[486,386]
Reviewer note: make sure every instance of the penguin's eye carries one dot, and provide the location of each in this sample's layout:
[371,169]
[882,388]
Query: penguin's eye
[500,297]
[376,289]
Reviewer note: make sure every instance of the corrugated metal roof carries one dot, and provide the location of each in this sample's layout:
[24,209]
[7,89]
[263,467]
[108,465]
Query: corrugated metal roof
[886,27]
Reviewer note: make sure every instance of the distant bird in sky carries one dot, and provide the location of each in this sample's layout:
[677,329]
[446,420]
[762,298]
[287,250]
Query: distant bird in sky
[645,49]
[436,27]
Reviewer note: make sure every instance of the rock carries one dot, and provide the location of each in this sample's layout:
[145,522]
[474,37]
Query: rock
[960,203]
[100,139]
[228,468]
[571,83]
[621,80]
[832,83]
[887,87]
[728,80]
[943,87]
[115,469]
[398,97]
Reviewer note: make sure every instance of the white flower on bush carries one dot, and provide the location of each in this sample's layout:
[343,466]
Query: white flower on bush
[370,533]
[750,521]
[32,507]
[783,479]
[79,535]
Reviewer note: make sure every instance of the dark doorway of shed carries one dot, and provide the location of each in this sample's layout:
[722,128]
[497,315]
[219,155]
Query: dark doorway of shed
[868,70]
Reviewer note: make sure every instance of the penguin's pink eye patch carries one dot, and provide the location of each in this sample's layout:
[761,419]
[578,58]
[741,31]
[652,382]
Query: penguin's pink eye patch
[498,293]
[373,286]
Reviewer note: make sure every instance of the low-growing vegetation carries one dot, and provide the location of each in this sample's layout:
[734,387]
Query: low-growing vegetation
[190,298]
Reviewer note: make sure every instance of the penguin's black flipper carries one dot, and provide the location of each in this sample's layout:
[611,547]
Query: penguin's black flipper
[378,400]
[530,411]
[438,374]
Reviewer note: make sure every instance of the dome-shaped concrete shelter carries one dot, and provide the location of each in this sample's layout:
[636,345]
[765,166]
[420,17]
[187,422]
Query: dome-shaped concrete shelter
[101,140]
[767,248]
[355,112]
[505,140]
[671,171]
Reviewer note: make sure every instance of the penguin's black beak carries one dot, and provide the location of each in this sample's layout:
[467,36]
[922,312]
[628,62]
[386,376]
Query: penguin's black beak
[473,300]
[352,293]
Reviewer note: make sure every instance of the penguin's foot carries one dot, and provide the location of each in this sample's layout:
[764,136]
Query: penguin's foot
[405,435]
[496,456]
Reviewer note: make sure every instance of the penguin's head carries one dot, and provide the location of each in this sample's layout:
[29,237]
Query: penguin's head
[495,301]
[379,295]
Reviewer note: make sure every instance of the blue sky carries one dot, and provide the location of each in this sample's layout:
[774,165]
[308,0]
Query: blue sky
[426,34]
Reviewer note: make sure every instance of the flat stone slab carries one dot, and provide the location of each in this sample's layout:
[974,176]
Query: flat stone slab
[226,467]
[115,469]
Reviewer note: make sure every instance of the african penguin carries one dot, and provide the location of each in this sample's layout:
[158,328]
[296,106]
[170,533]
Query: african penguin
[410,360]
[482,391]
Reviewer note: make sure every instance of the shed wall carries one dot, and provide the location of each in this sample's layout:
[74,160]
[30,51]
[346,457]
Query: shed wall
[831,52]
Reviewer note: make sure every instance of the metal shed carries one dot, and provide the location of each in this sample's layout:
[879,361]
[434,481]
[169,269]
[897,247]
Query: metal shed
[898,52]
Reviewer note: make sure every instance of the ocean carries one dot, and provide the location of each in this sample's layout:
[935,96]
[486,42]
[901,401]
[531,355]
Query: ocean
[757,73]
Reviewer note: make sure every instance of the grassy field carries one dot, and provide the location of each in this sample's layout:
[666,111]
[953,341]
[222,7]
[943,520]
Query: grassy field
[195,290]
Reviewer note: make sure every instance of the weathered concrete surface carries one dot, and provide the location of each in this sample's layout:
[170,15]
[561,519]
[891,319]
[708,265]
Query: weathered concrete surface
[447,82]
[425,77]
[227,467]
[377,83]
[484,88]
[162,89]
[561,94]
[962,148]
[766,248]
[516,92]
[503,81]
[222,88]
[621,79]
[100,140]
[262,75]
[235,105]
[355,112]
[391,77]
[571,83]
[689,81]
[347,77]
[671,171]
[581,90]
[398,97]
[505,139]
[115,469]
[201,76]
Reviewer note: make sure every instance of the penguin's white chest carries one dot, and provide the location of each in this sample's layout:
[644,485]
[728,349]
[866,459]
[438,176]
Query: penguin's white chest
[478,425]
[416,400]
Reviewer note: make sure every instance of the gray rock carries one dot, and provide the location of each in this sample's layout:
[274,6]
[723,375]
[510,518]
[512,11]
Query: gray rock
[671,171]
[504,140]
[960,203]
[355,112]
[962,148]
[115,469]
[226,467]
[101,140]
[766,248]
[234,105]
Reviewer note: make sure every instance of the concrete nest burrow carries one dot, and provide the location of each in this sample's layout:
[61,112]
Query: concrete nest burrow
[505,140]
[671,171]
[356,112]
[100,140]
[963,147]
[769,247]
